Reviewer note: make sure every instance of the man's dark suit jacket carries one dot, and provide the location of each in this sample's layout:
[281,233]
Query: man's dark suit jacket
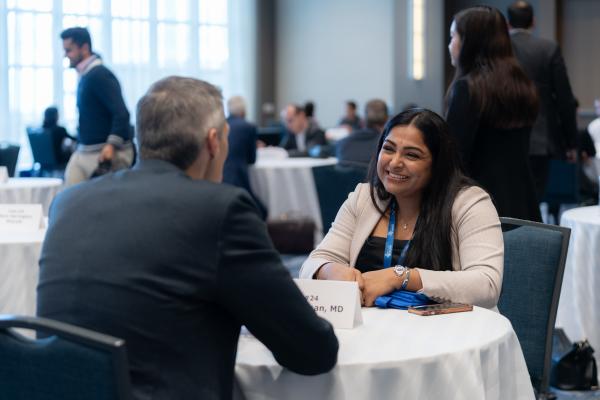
[358,147]
[314,136]
[555,129]
[175,266]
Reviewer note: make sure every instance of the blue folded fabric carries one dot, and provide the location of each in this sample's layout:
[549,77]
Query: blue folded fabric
[402,299]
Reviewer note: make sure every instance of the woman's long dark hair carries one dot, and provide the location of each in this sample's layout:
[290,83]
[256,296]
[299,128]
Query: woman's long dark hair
[499,90]
[431,246]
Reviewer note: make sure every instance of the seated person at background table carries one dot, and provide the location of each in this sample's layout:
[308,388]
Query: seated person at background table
[309,110]
[360,145]
[242,148]
[350,120]
[302,136]
[594,126]
[588,171]
[62,149]
[173,262]
[446,230]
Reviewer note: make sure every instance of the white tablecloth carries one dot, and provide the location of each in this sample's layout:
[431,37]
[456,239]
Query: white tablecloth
[397,355]
[19,255]
[30,191]
[579,305]
[287,185]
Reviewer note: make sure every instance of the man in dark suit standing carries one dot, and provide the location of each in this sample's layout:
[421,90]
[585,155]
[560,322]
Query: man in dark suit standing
[359,147]
[242,148]
[173,262]
[302,135]
[554,133]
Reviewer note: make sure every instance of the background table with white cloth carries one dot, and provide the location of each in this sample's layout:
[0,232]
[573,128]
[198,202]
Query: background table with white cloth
[30,191]
[579,306]
[398,355]
[19,256]
[287,186]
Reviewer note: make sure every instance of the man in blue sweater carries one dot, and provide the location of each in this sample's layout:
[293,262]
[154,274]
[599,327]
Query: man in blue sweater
[104,129]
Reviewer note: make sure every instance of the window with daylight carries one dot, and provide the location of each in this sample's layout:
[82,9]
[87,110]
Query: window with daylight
[141,41]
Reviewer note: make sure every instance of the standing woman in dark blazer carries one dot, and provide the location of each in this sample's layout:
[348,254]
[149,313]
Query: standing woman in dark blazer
[491,107]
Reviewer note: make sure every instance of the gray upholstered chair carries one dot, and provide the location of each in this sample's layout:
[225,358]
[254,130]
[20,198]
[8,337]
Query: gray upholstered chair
[534,263]
[70,363]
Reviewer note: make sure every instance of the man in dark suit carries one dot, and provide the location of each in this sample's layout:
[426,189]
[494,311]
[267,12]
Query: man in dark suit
[173,262]
[554,133]
[302,135]
[360,146]
[242,148]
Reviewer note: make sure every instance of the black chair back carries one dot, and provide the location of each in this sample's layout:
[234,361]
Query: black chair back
[71,363]
[42,148]
[333,184]
[9,153]
[534,263]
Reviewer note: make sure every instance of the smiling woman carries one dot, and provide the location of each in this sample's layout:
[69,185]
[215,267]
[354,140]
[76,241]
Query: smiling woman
[449,245]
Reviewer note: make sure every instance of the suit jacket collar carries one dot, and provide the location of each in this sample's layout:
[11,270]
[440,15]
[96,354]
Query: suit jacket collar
[155,165]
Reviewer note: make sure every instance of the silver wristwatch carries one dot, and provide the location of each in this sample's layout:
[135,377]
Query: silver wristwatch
[400,270]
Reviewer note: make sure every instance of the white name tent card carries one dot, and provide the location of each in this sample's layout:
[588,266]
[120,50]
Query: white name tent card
[3,174]
[21,217]
[336,301]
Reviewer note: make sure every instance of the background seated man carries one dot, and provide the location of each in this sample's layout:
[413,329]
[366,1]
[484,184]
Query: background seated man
[62,149]
[358,147]
[173,262]
[242,148]
[302,136]
[351,120]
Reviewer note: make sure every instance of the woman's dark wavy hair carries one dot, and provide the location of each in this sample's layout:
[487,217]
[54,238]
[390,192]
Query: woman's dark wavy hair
[431,246]
[500,92]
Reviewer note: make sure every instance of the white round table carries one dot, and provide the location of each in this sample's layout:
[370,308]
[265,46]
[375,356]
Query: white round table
[579,301]
[397,355]
[30,191]
[19,256]
[287,186]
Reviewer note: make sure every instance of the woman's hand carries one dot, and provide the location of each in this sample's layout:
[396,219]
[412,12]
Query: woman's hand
[379,283]
[340,272]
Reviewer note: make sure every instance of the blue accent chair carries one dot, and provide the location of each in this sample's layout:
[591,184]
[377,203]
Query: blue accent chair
[534,263]
[333,184]
[42,149]
[68,363]
[9,153]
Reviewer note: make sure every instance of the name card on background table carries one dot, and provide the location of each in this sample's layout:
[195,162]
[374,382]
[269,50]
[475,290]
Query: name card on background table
[21,217]
[336,301]
[3,174]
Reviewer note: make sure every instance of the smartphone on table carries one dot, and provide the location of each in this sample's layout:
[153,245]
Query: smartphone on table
[443,308]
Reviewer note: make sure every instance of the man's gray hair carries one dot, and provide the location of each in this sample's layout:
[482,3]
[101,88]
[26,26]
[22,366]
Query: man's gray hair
[174,117]
[236,106]
[376,113]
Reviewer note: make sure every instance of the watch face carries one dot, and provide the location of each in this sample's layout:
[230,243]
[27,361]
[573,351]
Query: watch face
[400,270]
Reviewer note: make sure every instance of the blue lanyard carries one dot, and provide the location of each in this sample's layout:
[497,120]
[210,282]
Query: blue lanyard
[389,241]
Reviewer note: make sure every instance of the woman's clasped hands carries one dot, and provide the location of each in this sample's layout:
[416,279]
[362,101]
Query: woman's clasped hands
[372,284]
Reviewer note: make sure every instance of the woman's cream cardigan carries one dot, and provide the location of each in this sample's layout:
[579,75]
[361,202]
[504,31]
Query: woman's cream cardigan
[477,247]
